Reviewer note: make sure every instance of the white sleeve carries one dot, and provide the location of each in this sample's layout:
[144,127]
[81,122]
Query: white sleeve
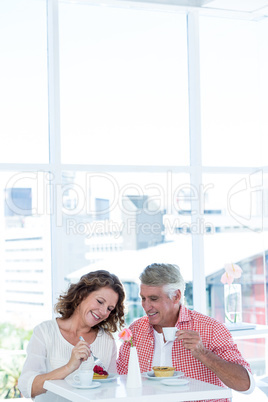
[35,363]
[252,384]
[104,347]
[112,365]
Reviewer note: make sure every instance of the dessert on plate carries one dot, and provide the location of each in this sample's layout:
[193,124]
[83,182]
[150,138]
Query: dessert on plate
[99,373]
[163,371]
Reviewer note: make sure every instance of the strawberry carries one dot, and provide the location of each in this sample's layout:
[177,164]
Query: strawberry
[99,370]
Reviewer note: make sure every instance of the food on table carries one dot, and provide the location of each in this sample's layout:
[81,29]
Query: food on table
[99,373]
[163,371]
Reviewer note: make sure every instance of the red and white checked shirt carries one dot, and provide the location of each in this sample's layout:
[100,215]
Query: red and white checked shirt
[215,337]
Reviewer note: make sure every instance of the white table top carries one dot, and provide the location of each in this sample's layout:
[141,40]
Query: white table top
[151,390]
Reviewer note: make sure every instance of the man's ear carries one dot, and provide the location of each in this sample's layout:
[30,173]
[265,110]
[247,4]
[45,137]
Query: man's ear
[177,296]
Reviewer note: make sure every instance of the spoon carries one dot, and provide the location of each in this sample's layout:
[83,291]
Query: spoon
[96,359]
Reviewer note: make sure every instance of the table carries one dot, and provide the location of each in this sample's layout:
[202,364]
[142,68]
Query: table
[151,390]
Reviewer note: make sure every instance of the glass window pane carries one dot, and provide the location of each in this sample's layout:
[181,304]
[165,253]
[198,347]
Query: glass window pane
[23,95]
[234,206]
[124,93]
[25,286]
[25,248]
[231,92]
[124,222]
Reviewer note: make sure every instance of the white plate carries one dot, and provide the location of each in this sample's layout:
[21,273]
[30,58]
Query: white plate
[150,375]
[77,385]
[175,382]
[110,377]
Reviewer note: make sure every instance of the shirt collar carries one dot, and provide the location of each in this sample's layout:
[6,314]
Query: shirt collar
[184,315]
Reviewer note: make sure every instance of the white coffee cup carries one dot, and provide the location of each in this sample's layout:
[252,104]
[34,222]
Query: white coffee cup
[84,377]
[169,333]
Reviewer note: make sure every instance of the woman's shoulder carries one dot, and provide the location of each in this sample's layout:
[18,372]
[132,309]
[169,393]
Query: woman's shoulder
[104,342]
[47,326]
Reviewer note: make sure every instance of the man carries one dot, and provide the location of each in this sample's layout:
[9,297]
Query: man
[203,348]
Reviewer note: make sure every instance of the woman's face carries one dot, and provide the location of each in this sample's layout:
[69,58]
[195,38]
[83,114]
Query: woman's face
[97,306]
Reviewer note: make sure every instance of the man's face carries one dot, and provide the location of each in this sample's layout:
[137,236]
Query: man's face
[160,309]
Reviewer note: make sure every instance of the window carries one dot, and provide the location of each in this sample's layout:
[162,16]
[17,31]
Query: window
[123,86]
[230,53]
[115,186]
[123,222]
[23,97]
[233,135]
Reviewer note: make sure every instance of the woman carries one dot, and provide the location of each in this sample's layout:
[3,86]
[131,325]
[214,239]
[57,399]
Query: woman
[92,308]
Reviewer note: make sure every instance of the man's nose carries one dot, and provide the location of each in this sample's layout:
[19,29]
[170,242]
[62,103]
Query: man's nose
[146,304]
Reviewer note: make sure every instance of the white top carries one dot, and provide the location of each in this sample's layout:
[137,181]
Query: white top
[49,350]
[162,351]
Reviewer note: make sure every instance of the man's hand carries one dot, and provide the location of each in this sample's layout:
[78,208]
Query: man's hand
[191,340]
[231,374]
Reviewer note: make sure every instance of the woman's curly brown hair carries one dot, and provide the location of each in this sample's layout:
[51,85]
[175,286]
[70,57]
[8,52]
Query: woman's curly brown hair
[88,283]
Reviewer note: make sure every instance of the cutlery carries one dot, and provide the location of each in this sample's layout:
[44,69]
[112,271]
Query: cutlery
[96,359]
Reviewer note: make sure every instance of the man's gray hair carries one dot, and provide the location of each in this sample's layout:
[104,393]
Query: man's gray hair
[166,275]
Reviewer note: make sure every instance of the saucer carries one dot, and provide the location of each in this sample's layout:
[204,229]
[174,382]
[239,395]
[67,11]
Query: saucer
[110,377]
[150,375]
[175,382]
[93,385]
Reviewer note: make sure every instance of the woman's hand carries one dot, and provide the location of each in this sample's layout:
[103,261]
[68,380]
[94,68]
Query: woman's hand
[80,353]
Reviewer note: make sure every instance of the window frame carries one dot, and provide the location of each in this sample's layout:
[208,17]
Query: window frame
[195,170]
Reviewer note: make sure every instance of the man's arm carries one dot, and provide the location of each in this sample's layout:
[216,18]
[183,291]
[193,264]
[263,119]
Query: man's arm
[231,374]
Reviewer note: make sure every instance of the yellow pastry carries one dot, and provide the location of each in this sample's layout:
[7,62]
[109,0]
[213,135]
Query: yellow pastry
[163,371]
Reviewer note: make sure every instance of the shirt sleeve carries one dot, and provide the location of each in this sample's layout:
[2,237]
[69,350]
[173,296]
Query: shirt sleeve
[223,345]
[124,352]
[35,363]
[112,365]
[123,357]
[252,384]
